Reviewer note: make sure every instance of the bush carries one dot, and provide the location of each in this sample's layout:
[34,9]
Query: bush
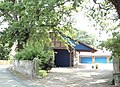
[43,73]
[37,50]
[4,52]
[46,64]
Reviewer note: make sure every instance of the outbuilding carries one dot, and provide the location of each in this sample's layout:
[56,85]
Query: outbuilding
[69,57]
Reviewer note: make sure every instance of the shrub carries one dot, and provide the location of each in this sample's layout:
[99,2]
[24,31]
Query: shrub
[37,50]
[46,64]
[43,73]
[4,52]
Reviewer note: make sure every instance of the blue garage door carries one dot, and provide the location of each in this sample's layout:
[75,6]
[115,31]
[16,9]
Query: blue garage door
[100,60]
[86,60]
[62,58]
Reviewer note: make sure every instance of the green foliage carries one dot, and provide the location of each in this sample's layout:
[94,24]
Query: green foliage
[105,14]
[35,19]
[113,45]
[39,51]
[4,52]
[31,21]
[102,14]
[46,64]
[43,73]
[85,37]
[4,48]
[34,50]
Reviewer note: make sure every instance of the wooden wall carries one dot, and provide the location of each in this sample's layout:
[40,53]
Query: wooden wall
[58,44]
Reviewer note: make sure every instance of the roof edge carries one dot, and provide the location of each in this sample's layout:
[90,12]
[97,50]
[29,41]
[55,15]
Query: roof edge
[93,49]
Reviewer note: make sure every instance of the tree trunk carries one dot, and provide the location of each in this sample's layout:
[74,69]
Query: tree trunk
[116,3]
[19,46]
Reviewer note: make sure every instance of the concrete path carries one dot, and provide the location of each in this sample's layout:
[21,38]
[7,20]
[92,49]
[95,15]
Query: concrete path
[7,80]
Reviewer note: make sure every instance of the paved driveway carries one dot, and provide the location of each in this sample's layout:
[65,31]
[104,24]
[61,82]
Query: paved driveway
[7,80]
[75,77]
[61,77]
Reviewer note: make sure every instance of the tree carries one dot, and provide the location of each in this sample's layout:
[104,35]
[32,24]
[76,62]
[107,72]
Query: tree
[86,38]
[4,52]
[34,19]
[102,14]
[113,45]
[4,49]
[106,13]
[31,21]
[104,3]
[116,4]
[105,19]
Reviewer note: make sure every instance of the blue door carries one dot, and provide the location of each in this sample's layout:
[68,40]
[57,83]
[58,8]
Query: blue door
[87,60]
[62,58]
[100,60]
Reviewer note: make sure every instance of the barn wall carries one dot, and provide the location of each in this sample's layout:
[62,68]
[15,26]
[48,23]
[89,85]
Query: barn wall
[76,58]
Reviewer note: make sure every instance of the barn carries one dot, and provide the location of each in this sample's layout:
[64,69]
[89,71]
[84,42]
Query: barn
[69,57]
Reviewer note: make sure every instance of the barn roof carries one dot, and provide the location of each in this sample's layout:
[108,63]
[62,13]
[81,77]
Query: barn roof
[79,46]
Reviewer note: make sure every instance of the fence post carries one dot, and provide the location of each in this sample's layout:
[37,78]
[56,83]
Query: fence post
[36,66]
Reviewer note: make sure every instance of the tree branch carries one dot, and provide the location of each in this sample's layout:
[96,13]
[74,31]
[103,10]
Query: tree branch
[116,3]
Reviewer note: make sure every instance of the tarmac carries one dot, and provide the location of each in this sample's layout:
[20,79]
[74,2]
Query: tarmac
[61,77]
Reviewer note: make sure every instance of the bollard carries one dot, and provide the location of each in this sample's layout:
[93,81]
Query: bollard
[96,66]
[92,66]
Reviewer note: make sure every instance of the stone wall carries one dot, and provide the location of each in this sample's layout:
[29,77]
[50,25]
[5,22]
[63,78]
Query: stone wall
[25,67]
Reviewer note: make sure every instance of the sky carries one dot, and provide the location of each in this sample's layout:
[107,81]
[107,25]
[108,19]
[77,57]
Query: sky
[83,23]
[3,25]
